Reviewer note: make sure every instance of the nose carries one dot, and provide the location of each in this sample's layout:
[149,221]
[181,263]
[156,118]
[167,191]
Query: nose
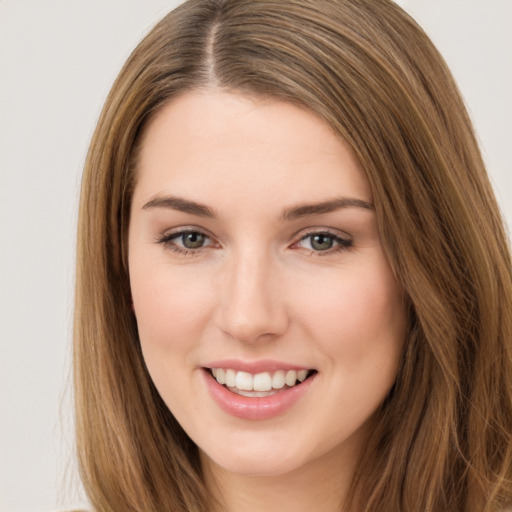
[251,301]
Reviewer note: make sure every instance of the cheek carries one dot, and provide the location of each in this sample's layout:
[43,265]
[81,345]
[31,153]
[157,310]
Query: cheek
[171,309]
[170,305]
[360,317]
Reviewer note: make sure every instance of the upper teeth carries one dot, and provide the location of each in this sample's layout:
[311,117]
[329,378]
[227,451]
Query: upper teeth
[264,381]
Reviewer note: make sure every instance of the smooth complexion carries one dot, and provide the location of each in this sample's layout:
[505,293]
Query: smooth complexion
[253,245]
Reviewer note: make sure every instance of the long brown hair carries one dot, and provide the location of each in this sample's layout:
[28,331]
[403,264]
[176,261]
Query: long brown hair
[444,437]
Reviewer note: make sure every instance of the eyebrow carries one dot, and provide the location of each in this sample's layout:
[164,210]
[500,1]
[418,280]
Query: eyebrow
[293,213]
[180,204]
[297,212]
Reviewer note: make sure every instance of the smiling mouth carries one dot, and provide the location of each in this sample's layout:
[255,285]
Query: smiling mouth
[259,385]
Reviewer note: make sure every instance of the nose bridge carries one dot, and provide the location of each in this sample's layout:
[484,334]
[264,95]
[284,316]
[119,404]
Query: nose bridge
[251,304]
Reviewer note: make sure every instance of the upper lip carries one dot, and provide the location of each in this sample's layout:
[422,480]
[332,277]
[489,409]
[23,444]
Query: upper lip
[254,367]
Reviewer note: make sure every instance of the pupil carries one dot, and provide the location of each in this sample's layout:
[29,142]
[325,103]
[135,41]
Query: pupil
[321,242]
[193,240]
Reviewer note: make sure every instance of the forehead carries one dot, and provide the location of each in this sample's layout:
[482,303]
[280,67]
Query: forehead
[217,144]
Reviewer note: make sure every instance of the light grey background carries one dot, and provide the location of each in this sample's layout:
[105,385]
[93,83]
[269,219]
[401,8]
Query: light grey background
[57,62]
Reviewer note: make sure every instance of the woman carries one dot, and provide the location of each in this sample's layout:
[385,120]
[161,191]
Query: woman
[294,288]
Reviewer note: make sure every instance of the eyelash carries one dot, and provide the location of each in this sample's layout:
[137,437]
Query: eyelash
[167,241]
[343,244]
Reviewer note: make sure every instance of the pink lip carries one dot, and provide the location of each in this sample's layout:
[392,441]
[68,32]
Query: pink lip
[255,408]
[263,365]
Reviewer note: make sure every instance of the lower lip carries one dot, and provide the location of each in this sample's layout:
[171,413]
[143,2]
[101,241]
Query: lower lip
[256,408]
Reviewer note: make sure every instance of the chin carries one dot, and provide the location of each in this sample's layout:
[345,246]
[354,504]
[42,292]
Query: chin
[255,459]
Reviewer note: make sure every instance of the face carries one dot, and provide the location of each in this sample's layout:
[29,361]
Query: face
[269,318]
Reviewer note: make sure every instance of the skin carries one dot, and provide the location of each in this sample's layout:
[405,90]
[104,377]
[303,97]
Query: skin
[259,288]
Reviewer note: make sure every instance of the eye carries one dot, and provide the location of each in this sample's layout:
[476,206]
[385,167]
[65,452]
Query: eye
[190,239]
[184,241]
[324,242]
